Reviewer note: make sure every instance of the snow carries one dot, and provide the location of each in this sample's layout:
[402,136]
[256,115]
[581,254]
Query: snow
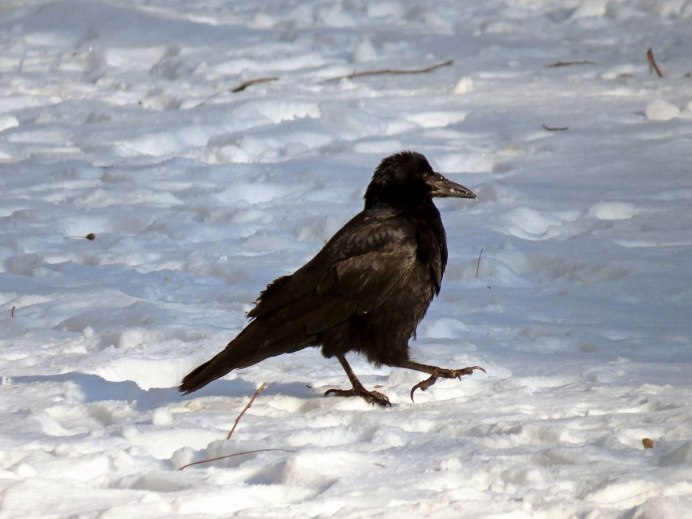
[117,118]
[661,110]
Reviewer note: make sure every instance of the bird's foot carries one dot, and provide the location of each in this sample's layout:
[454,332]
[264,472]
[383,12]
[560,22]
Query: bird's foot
[371,397]
[443,373]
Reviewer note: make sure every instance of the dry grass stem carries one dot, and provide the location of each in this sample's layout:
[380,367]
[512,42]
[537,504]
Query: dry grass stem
[231,456]
[478,263]
[653,66]
[230,433]
[251,82]
[392,71]
[554,128]
[570,63]
[235,424]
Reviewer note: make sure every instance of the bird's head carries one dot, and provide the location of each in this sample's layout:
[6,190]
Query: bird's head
[406,179]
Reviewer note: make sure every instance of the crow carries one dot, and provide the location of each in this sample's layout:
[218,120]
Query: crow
[365,291]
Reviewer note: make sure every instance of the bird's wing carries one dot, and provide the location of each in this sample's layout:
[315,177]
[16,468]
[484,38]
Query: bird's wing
[353,274]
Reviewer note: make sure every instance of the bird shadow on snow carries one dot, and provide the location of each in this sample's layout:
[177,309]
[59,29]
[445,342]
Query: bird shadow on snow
[98,389]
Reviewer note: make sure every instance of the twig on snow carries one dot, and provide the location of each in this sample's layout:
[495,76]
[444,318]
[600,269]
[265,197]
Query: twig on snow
[570,63]
[231,456]
[653,66]
[255,81]
[391,71]
[478,263]
[554,128]
[12,311]
[230,433]
[257,392]
[242,86]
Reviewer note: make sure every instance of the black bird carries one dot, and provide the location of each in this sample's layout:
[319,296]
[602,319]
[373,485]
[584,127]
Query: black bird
[365,291]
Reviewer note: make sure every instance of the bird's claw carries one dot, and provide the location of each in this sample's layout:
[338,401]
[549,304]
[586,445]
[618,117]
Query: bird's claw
[371,397]
[423,385]
[466,371]
[444,373]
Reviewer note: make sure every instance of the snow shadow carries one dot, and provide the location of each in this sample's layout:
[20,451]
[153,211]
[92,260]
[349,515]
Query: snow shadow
[97,389]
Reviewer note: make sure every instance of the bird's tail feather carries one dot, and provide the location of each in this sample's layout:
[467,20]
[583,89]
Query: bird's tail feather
[220,365]
[233,357]
[247,349]
[196,379]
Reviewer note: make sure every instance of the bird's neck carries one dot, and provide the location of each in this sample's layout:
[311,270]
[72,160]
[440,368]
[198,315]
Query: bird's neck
[431,240]
[426,213]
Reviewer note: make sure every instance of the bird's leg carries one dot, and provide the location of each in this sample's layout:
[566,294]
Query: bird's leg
[435,373]
[371,397]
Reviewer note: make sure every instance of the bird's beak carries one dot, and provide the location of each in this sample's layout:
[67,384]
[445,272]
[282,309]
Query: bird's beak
[442,187]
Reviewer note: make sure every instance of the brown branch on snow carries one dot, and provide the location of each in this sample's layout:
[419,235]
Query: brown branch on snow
[554,128]
[653,66]
[255,81]
[391,71]
[238,88]
[247,406]
[242,86]
[231,456]
[257,392]
[570,63]
[478,263]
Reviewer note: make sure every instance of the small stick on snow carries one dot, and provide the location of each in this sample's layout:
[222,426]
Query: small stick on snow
[259,390]
[653,66]
[478,263]
[12,311]
[392,71]
[554,128]
[231,456]
[247,406]
[251,82]
[237,89]
[570,63]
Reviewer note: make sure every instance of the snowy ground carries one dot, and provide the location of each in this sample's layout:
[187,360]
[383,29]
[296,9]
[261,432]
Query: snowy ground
[117,119]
